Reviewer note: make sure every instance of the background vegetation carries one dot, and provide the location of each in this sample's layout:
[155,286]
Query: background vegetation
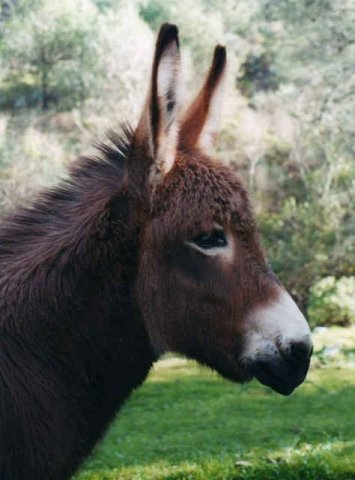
[69,70]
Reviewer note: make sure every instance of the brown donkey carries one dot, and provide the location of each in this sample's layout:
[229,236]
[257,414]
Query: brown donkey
[151,248]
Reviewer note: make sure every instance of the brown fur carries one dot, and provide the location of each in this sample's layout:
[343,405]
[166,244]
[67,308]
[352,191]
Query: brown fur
[192,304]
[96,280]
[197,113]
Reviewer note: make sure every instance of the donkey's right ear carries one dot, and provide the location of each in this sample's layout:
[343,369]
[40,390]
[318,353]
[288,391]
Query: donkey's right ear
[155,140]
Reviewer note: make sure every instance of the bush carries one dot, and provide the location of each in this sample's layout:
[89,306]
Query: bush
[332,302]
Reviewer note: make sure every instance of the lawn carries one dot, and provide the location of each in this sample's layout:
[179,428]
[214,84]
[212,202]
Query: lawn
[188,423]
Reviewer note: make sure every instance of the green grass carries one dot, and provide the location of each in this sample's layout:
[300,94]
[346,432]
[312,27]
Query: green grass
[188,423]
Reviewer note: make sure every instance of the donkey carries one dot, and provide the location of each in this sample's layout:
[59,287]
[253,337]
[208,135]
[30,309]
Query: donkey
[150,247]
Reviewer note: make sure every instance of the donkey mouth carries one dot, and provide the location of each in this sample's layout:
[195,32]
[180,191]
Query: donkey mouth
[280,375]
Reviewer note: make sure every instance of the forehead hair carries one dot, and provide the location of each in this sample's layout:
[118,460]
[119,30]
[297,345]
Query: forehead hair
[199,193]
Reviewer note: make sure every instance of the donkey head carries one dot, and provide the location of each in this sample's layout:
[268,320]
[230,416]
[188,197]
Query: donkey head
[203,284]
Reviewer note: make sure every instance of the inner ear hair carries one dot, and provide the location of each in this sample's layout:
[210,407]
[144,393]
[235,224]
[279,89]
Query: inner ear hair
[154,144]
[165,92]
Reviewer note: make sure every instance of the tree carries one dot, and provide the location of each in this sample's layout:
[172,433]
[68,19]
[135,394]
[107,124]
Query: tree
[49,52]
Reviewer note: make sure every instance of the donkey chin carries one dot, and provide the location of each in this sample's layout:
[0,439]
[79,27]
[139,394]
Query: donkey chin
[278,345]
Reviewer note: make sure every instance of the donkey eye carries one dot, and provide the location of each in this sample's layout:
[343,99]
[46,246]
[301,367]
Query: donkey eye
[214,239]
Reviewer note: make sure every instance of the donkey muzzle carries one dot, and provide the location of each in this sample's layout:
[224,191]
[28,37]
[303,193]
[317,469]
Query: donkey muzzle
[278,344]
[285,369]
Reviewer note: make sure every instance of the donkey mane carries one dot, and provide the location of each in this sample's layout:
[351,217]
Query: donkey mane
[96,179]
[63,287]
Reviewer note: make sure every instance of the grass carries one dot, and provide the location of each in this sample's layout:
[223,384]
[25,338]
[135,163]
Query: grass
[186,423]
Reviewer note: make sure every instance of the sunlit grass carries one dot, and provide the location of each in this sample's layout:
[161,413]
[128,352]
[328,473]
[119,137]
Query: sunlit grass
[188,423]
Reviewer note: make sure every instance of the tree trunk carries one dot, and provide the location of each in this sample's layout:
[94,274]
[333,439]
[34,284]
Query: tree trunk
[44,81]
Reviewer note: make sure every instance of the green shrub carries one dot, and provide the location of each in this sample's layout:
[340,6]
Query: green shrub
[332,302]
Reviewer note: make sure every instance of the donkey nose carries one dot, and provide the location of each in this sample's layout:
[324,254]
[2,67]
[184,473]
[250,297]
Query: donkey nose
[298,356]
[300,351]
[284,368]
[278,346]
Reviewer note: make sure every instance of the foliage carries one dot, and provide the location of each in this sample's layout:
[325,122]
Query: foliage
[33,156]
[125,54]
[257,75]
[309,237]
[312,44]
[201,28]
[333,301]
[49,54]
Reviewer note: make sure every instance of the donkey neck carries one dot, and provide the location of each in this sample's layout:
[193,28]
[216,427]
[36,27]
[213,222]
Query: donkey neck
[68,266]
[69,318]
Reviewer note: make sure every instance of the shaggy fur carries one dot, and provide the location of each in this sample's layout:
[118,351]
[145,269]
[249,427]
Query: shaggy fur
[72,343]
[96,280]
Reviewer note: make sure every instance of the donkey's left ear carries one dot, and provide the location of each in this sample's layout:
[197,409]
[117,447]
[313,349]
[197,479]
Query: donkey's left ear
[157,130]
[200,124]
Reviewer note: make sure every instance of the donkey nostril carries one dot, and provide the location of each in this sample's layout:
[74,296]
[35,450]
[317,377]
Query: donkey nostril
[301,351]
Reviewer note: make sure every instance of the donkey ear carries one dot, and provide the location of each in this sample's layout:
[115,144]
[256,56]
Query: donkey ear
[200,124]
[157,130]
